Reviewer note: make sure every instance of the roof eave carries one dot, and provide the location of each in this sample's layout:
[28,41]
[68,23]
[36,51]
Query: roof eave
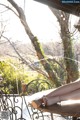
[69,8]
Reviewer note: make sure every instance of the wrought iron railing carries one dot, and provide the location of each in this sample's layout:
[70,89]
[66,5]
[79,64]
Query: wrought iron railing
[16,107]
[12,107]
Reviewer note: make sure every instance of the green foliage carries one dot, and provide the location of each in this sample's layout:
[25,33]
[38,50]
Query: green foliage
[11,76]
[14,74]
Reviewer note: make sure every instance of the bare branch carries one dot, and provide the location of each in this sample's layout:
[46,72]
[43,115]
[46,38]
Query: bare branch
[10,9]
[30,65]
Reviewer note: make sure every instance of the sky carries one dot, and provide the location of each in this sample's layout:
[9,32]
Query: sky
[40,19]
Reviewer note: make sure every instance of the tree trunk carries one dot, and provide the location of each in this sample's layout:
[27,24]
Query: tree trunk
[52,74]
[71,65]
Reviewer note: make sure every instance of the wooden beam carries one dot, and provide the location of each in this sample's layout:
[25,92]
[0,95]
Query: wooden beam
[72,8]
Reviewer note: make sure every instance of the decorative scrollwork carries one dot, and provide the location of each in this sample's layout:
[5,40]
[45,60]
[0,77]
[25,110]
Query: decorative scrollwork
[12,105]
[36,114]
[37,85]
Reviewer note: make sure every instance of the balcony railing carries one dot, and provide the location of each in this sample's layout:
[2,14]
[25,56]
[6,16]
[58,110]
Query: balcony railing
[16,107]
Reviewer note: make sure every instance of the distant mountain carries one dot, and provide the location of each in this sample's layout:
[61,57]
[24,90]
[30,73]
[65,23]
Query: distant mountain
[50,48]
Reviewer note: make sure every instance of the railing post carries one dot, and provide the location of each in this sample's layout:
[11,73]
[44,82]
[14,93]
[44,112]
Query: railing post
[52,116]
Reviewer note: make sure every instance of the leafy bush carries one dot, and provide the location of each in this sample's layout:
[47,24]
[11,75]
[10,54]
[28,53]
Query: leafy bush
[11,76]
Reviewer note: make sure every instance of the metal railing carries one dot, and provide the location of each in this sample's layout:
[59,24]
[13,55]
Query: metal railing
[16,107]
[12,107]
